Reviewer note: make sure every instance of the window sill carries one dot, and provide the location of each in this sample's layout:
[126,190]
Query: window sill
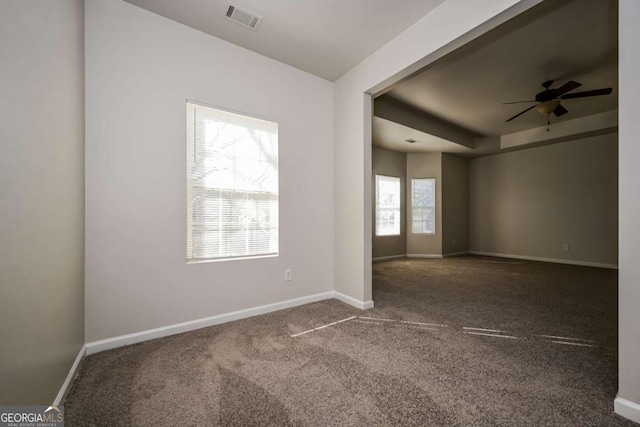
[242,258]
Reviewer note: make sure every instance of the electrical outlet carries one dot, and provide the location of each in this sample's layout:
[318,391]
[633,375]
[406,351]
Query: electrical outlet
[288,275]
[565,247]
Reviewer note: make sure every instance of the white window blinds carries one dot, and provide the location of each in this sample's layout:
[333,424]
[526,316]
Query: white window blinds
[387,206]
[232,185]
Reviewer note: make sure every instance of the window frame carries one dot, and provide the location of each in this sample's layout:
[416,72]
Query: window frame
[413,206]
[189,205]
[399,208]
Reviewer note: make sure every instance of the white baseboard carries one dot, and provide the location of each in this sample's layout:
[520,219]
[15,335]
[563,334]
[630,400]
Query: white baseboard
[424,255]
[554,260]
[362,305]
[123,340]
[455,254]
[386,258]
[120,341]
[626,408]
[70,376]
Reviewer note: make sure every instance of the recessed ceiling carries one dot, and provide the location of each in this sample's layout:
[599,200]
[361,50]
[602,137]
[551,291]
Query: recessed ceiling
[559,40]
[393,136]
[323,37]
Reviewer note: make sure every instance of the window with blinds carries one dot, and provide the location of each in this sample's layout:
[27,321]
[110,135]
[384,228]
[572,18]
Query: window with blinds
[387,206]
[232,185]
[423,206]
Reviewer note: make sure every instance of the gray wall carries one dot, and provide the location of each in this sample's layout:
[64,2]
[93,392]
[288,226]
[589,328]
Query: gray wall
[390,163]
[425,165]
[455,204]
[531,202]
[41,197]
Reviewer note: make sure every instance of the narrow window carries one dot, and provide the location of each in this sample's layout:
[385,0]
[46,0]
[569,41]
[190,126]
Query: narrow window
[387,206]
[423,206]
[232,185]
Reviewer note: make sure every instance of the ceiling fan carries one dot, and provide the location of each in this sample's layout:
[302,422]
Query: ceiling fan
[548,101]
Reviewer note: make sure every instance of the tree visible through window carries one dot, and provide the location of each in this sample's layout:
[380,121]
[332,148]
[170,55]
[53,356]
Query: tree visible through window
[232,185]
[387,206]
[423,206]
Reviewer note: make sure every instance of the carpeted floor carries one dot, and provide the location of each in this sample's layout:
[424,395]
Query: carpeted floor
[468,341]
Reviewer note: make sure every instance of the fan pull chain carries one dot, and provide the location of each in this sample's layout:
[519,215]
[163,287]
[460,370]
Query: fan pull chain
[548,122]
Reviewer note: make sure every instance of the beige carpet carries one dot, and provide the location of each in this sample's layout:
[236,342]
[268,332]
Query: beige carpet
[469,341]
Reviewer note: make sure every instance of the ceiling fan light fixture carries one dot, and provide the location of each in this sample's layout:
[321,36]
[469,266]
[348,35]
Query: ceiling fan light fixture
[547,108]
[549,99]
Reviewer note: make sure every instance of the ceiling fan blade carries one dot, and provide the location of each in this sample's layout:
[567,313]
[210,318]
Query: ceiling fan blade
[522,112]
[586,93]
[567,87]
[560,111]
[517,102]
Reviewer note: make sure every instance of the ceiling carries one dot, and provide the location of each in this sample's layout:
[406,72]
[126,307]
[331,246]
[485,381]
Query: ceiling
[323,37]
[392,136]
[559,40]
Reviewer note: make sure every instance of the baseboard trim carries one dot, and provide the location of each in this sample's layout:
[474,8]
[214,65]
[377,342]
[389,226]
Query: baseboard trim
[362,305]
[626,408]
[150,334]
[553,260]
[70,376]
[453,254]
[424,256]
[387,258]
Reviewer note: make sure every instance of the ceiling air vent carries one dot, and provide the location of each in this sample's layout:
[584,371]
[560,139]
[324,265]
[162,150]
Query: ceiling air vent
[243,16]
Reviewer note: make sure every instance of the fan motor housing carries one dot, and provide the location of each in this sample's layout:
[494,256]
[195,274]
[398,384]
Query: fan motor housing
[546,95]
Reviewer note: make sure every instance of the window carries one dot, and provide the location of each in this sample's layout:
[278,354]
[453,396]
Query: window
[423,206]
[232,185]
[387,206]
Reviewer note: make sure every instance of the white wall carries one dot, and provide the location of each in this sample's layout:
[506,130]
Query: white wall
[41,197]
[447,27]
[629,182]
[140,69]
[531,202]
